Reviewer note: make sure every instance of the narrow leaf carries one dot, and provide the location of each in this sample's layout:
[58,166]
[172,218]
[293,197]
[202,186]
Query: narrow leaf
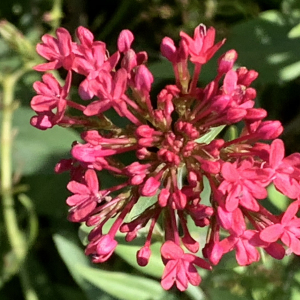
[155,266]
[208,137]
[122,285]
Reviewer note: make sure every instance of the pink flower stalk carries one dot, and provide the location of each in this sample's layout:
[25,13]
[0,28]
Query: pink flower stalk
[170,153]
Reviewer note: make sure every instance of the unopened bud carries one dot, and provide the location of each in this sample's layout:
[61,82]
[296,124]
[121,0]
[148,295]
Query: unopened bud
[143,256]
[125,40]
[226,61]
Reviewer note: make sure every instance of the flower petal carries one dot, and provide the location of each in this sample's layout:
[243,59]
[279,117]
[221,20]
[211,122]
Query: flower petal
[271,233]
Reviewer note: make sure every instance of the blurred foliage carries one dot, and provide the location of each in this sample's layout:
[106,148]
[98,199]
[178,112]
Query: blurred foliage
[266,34]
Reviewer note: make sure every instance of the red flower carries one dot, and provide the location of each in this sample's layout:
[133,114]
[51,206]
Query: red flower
[171,163]
[201,47]
[57,51]
[286,174]
[288,230]
[51,95]
[243,184]
[110,91]
[246,253]
[85,198]
[180,267]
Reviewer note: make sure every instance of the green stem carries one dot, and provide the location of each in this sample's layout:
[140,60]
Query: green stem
[27,288]
[10,218]
[14,234]
[56,15]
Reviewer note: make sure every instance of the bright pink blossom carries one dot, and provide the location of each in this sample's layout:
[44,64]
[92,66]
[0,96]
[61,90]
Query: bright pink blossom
[202,47]
[85,198]
[286,174]
[243,185]
[164,154]
[288,230]
[246,253]
[51,95]
[57,50]
[180,269]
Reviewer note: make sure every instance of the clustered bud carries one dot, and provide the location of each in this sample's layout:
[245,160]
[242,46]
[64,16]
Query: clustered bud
[171,157]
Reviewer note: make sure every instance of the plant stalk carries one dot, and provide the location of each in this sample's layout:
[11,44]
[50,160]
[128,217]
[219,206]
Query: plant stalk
[14,234]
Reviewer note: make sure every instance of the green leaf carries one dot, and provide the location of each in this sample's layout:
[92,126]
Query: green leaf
[205,194]
[73,256]
[142,204]
[71,253]
[155,266]
[83,233]
[33,149]
[210,136]
[279,200]
[122,285]
[263,44]
[295,293]
[294,32]
[195,293]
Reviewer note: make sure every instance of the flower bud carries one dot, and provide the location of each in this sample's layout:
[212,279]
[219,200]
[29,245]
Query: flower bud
[85,37]
[235,115]
[106,245]
[163,197]
[168,49]
[255,114]
[150,187]
[226,61]
[125,40]
[143,256]
[245,76]
[179,199]
[269,130]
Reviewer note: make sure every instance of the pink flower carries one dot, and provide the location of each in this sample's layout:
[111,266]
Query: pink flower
[51,95]
[125,40]
[58,51]
[172,163]
[246,253]
[233,221]
[180,267]
[201,47]
[43,120]
[288,230]
[286,175]
[110,90]
[173,54]
[242,185]
[85,198]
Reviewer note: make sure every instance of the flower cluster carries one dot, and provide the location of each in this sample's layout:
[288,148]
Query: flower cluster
[168,155]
